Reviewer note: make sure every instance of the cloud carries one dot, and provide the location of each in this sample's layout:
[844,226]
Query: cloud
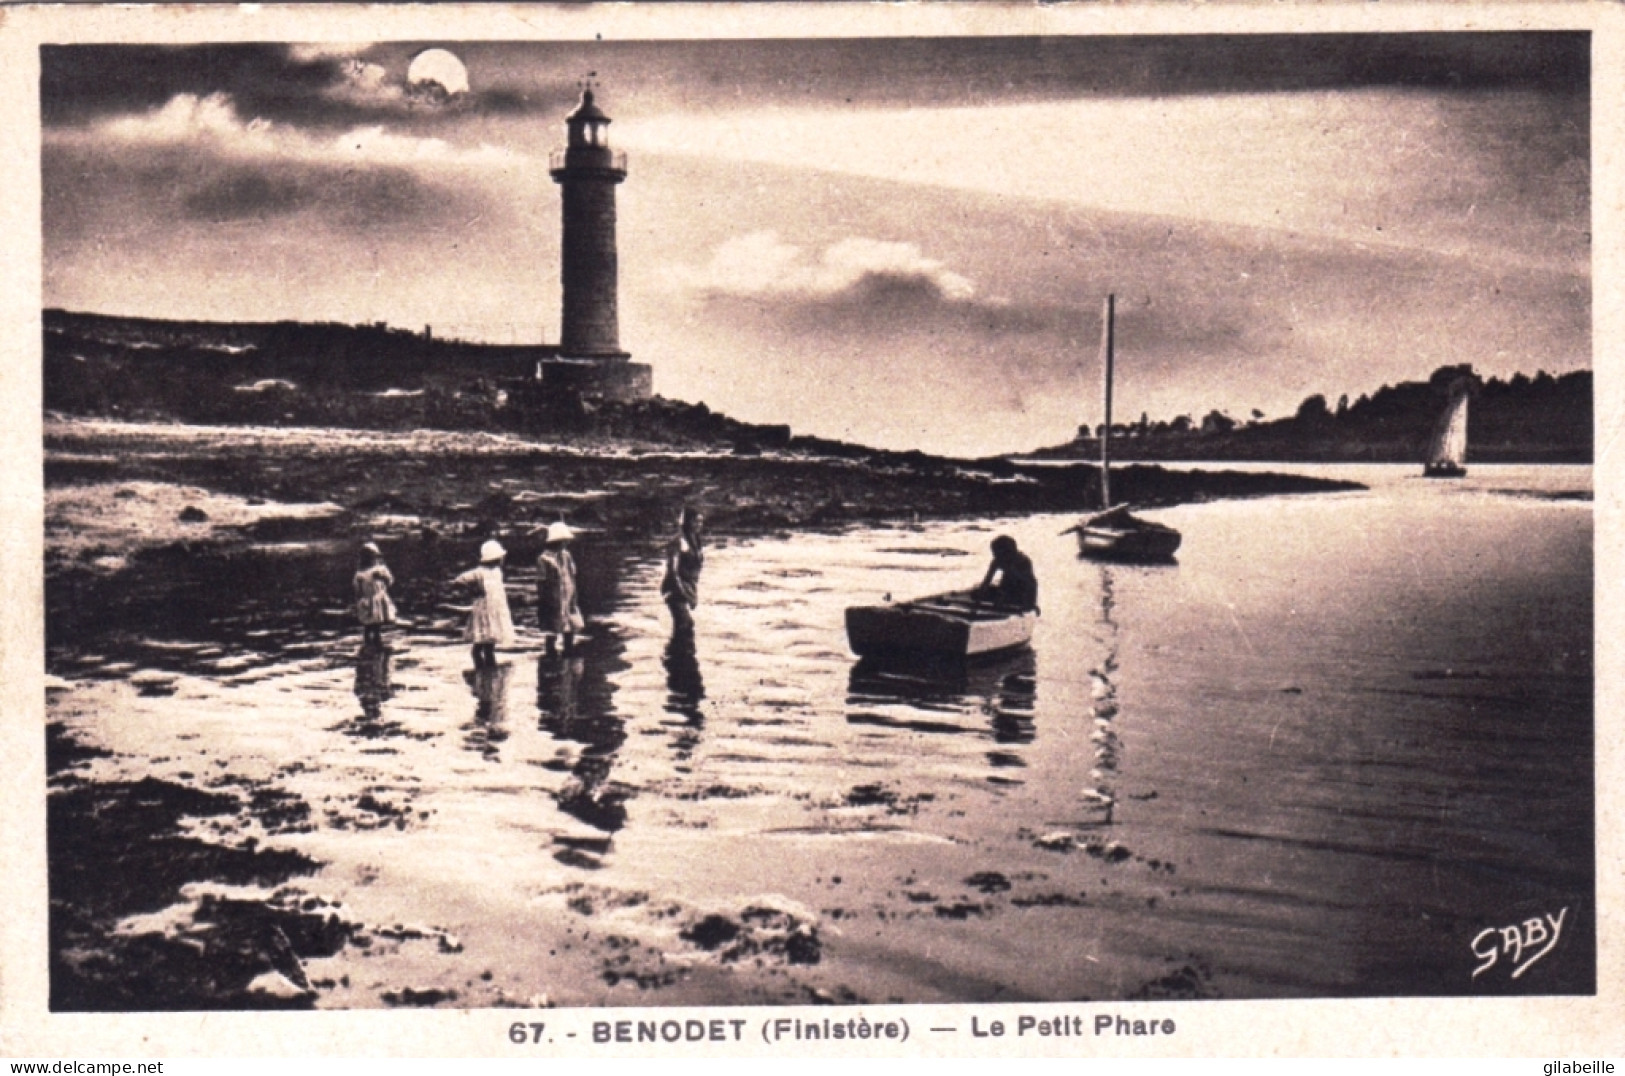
[212,124]
[303,82]
[1485,176]
[1208,316]
[366,86]
[316,52]
[188,117]
[761,265]
[153,191]
[347,198]
[369,88]
[943,72]
[195,159]
[242,194]
[323,86]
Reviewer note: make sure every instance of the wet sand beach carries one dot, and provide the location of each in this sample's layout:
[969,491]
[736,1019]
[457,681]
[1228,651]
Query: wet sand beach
[1343,735]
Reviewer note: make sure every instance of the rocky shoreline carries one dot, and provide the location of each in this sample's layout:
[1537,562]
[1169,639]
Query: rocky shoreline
[484,485]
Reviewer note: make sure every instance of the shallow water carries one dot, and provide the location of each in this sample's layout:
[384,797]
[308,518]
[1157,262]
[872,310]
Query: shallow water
[1320,755]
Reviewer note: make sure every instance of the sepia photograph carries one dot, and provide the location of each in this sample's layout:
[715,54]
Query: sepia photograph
[551,521]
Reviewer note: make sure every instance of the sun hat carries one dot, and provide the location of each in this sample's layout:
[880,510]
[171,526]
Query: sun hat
[559,532]
[491,551]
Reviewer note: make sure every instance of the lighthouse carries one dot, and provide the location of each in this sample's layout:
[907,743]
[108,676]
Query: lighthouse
[590,360]
[588,172]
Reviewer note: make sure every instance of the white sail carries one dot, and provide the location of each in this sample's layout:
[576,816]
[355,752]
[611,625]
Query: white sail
[1448,450]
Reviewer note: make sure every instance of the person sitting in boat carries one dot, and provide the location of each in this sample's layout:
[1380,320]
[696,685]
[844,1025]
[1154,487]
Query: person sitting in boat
[1016,586]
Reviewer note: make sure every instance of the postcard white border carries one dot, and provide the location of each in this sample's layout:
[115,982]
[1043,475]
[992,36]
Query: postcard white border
[1487,1027]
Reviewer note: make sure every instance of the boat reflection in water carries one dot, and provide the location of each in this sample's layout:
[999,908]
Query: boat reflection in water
[1102,796]
[993,697]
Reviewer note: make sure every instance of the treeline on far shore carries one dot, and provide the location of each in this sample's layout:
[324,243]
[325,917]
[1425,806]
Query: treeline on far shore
[1539,419]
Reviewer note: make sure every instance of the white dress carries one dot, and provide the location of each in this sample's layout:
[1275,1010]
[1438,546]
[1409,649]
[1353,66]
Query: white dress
[372,604]
[489,621]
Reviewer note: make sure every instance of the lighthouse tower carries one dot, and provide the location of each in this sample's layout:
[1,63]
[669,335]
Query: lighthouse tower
[590,360]
[588,172]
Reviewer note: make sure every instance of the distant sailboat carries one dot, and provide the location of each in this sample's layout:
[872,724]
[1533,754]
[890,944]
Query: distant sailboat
[1116,533]
[1447,452]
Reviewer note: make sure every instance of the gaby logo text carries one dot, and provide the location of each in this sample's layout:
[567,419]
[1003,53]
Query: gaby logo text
[1524,943]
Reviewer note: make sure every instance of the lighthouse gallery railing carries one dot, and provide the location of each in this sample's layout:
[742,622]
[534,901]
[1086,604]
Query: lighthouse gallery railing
[613,159]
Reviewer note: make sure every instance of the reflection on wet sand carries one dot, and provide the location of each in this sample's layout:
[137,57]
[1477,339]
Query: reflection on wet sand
[487,730]
[372,684]
[589,796]
[685,690]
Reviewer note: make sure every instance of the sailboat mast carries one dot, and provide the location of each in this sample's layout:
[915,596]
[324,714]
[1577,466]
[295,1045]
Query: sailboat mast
[1106,429]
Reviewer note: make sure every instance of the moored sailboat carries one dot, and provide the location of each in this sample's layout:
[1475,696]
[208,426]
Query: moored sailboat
[1116,533]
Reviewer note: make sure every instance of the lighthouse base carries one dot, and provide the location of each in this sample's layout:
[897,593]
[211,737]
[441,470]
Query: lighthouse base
[596,379]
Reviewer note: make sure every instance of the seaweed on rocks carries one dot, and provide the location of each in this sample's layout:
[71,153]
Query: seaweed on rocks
[133,832]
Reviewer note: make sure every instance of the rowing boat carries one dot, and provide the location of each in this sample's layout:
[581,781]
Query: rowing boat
[955,625]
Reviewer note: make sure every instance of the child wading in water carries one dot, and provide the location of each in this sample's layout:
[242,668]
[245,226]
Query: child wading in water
[557,609]
[489,621]
[372,605]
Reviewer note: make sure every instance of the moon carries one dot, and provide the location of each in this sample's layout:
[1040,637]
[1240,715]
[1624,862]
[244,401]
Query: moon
[440,67]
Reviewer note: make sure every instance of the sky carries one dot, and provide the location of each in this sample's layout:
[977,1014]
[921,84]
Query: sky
[904,242]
